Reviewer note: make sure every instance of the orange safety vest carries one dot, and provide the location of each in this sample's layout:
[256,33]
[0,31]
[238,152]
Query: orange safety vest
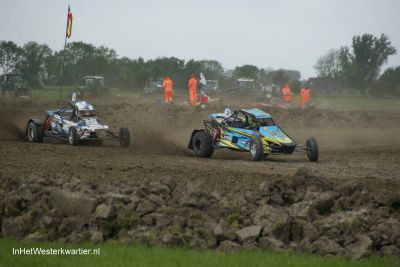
[167,85]
[286,94]
[192,84]
[192,91]
[305,95]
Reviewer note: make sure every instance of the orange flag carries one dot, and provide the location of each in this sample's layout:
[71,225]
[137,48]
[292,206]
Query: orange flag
[69,23]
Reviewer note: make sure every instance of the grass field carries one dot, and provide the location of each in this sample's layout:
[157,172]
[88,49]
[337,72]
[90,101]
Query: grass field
[356,103]
[116,254]
[331,102]
[51,93]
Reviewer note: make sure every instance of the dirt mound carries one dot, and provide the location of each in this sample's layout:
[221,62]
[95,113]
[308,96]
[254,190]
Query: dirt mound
[304,213]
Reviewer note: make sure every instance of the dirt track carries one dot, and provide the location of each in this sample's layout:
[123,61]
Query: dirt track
[364,146]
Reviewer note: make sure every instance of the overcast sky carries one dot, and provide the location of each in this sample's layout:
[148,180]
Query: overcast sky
[290,34]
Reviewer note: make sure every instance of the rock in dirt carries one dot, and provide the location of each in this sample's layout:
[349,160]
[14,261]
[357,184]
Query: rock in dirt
[158,201]
[389,198]
[303,210]
[390,229]
[96,237]
[69,225]
[12,205]
[348,188]
[15,227]
[168,181]
[158,189]
[228,246]
[272,191]
[324,245]
[322,202]
[248,233]
[115,198]
[390,250]
[195,201]
[73,204]
[267,215]
[25,193]
[360,247]
[223,231]
[195,186]
[145,207]
[104,211]
[270,243]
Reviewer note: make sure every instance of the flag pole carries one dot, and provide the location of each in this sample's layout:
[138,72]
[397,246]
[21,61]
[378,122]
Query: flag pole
[63,57]
[62,69]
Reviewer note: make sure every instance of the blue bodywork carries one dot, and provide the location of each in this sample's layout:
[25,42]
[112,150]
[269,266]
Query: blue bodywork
[259,114]
[58,122]
[236,131]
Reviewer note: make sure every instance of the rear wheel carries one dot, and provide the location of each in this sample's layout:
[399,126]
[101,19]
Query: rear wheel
[312,149]
[124,137]
[73,138]
[256,149]
[35,133]
[202,144]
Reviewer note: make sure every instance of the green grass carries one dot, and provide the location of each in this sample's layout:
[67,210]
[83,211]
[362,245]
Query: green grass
[356,102]
[117,254]
[52,93]
[49,93]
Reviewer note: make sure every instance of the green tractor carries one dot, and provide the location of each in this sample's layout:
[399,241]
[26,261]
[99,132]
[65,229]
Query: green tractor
[14,85]
[94,86]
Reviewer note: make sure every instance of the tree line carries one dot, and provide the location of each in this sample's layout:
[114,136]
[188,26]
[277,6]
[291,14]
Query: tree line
[358,68]
[42,66]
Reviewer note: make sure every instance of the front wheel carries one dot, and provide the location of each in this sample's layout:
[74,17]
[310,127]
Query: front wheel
[73,138]
[35,133]
[312,149]
[124,137]
[202,144]
[256,149]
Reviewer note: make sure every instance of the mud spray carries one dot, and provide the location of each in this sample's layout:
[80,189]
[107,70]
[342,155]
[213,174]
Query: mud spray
[10,129]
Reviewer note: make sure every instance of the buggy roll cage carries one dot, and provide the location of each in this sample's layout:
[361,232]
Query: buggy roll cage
[207,123]
[211,125]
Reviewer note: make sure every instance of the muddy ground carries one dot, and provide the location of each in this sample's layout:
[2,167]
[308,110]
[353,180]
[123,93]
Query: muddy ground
[354,145]
[156,192]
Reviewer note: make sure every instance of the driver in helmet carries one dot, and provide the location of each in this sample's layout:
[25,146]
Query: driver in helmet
[251,123]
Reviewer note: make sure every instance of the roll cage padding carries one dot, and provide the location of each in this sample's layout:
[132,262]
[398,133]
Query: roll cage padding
[69,107]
